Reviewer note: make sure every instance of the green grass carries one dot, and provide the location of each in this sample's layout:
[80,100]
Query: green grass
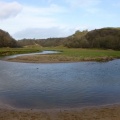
[67,54]
[87,54]
[12,51]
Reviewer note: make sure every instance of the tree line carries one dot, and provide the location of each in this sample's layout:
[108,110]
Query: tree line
[50,42]
[105,38]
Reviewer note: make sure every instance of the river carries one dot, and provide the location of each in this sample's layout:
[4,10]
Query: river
[59,85]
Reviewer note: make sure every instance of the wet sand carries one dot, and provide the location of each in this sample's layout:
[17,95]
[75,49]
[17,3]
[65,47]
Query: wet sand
[111,112]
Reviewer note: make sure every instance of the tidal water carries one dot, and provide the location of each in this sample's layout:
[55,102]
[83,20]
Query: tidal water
[59,85]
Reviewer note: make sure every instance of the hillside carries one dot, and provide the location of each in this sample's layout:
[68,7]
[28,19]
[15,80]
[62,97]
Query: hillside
[108,38]
[6,40]
[105,38]
[70,41]
[77,40]
[50,42]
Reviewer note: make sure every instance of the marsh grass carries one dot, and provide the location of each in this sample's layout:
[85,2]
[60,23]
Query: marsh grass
[65,55]
[12,51]
[78,54]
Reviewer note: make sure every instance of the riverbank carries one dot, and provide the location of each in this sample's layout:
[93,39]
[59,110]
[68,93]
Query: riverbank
[69,55]
[110,112]
[56,59]
[65,55]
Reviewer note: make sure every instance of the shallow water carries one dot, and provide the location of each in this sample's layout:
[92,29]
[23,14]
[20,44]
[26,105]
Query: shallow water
[59,85]
[37,53]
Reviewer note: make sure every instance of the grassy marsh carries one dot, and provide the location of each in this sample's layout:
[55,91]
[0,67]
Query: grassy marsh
[12,51]
[70,55]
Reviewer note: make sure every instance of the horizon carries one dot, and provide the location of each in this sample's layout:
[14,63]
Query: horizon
[60,36]
[53,19]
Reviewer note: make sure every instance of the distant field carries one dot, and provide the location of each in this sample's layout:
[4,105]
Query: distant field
[66,55]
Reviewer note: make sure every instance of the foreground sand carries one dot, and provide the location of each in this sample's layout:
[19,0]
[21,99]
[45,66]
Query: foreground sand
[93,113]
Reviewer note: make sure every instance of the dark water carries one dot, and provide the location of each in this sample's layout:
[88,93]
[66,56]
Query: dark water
[59,85]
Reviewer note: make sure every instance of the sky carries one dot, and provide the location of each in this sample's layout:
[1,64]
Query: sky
[56,18]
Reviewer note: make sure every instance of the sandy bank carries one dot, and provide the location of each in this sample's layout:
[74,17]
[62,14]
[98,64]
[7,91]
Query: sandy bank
[55,59]
[94,113]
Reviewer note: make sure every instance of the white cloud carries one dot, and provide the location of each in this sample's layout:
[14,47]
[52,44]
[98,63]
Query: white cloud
[38,22]
[9,9]
[43,32]
[33,17]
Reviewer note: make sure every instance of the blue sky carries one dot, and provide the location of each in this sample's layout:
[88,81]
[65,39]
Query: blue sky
[56,18]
